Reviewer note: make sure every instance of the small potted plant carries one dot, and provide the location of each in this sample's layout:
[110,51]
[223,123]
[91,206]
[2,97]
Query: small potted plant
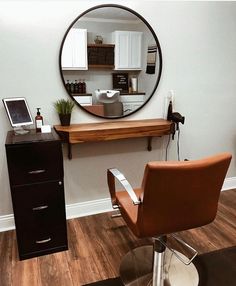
[64,109]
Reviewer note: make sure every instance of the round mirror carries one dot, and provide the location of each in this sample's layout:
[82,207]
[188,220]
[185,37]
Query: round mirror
[110,61]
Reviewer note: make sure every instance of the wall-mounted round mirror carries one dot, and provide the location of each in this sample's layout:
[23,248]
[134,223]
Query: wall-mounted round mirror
[110,61]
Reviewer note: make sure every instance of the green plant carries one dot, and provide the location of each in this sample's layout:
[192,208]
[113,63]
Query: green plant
[63,106]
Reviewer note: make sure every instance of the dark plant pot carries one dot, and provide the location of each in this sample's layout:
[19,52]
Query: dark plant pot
[65,119]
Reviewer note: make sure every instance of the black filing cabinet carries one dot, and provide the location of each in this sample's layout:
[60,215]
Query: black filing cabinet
[35,167]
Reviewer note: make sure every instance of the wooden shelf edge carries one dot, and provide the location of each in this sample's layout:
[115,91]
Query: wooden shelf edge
[94,66]
[101,45]
[113,130]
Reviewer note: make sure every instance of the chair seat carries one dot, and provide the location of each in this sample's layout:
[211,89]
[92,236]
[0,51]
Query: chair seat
[128,210]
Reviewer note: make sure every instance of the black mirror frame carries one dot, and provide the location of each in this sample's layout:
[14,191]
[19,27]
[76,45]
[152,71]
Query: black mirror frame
[154,36]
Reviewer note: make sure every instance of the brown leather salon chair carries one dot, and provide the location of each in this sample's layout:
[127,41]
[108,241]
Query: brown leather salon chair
[174,196]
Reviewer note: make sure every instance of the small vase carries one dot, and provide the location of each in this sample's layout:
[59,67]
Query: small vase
[98,40]
[65,119]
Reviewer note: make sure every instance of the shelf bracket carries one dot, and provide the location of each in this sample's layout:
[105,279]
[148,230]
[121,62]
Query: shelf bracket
[69,150]
[149,146]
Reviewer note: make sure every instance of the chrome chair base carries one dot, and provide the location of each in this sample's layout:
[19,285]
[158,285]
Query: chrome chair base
[137,269]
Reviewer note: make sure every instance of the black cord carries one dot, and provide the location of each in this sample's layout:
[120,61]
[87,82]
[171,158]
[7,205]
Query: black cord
[167,147]
[178,144]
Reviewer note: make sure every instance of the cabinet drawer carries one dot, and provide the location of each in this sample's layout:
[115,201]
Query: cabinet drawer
[130,107]
[132,98]
[38,202]
[44,241]
[39,211]
[34,162]
[84,99]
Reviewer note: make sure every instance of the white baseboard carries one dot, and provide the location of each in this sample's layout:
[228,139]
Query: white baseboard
[91,207]
[72,211]
[7,222]
[229,184]
[88,208]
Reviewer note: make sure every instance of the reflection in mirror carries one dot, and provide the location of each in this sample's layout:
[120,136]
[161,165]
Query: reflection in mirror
[110,61]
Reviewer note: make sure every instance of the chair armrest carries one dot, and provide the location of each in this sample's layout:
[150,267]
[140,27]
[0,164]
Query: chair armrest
[115,173]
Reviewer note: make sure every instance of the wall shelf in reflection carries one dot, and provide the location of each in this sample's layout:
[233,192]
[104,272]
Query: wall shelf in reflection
[81,94]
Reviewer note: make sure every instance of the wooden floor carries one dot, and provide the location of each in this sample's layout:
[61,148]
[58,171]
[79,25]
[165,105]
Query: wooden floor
[97,244]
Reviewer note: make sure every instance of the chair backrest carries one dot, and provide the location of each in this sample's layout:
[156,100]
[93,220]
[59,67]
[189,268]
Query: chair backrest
[114,109]
[181,195]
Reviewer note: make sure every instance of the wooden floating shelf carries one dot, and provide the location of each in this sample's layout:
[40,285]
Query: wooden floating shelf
[81,94]
[101,45]
[113,130]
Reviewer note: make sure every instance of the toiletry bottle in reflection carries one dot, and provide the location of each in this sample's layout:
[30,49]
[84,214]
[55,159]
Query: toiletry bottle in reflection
[80,86]
[72,87]
[68,85]
[38,121]
[83,86]
[76,87]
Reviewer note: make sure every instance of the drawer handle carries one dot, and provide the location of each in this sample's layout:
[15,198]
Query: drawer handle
[40,208]
[43,241]
[36,172]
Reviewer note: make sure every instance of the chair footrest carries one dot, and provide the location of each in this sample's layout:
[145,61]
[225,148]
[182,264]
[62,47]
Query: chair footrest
[185,260]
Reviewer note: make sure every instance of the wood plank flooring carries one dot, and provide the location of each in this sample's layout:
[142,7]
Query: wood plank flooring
[96,246]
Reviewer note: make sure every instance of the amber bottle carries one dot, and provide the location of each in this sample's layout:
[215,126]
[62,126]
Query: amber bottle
[38,121]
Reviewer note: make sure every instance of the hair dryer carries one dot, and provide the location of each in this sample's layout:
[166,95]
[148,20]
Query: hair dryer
[175,117]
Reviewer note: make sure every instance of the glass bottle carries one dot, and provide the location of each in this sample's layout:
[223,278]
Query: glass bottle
[38,120]
[76,87]
[68,85]
[80,87]
[83,86]
[72,87]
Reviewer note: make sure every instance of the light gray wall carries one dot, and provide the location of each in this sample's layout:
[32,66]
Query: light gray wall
[198,42]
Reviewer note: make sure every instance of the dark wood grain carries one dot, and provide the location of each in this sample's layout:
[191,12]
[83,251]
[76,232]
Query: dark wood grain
[6,258]
[96,246]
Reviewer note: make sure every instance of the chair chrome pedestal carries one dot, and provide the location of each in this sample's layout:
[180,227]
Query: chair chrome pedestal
[137,269]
